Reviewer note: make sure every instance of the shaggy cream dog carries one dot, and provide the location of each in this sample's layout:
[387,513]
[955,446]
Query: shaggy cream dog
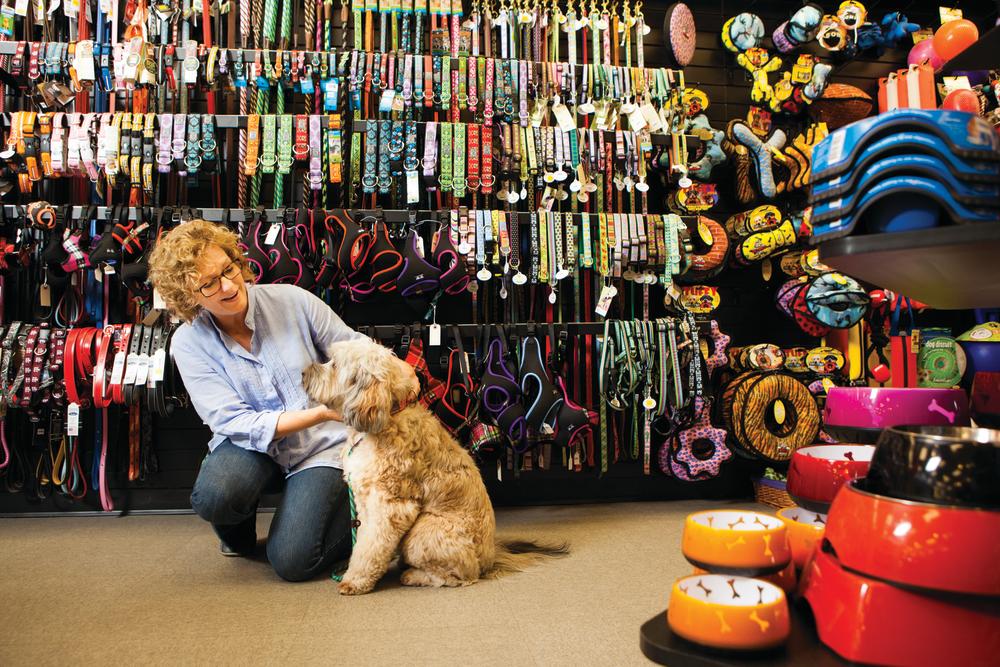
[415,488]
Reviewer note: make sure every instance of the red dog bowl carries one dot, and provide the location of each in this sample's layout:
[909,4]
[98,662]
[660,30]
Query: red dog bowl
[869,621]
[816,473]
[858,414]
[923,545]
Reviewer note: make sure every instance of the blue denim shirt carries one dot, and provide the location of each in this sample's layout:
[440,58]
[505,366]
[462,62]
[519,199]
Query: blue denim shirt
[240,394]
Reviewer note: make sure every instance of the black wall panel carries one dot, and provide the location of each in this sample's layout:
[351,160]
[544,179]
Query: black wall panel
[747,312]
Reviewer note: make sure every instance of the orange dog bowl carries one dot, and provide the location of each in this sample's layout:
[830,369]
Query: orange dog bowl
[736,542]
[805,530]
[727,612]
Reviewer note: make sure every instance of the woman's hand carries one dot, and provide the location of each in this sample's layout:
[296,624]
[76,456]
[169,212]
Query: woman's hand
[330,415]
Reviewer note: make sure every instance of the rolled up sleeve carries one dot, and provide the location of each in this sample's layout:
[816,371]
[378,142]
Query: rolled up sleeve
[218,403]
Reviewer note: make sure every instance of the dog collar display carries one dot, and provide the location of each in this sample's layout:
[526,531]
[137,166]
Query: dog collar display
[735,542]
[860,618]
[728,612]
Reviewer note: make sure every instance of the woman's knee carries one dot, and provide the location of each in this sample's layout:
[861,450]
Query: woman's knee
[293,562]
[226,492]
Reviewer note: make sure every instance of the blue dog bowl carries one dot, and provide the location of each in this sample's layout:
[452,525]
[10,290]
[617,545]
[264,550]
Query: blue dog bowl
[902,213]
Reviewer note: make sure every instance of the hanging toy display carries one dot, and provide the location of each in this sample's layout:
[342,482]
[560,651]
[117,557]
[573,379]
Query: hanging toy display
[696,123]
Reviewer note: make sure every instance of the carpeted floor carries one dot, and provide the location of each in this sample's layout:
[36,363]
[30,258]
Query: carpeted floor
[154,589]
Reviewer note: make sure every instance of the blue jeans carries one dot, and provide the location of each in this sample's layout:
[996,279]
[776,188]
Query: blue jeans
[311,529]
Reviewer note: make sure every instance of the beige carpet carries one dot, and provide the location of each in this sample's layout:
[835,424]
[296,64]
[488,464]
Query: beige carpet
[154,589]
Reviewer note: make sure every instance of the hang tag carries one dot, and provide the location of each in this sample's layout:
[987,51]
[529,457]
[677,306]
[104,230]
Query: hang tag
[306,85]
[131,367]
[142,369]
[109,270]
[330,90]
[118,369]
[385,103]
[272,233]
[7,21]
[649,403]
[673,292]
[158,302]
[156,366]
[564,118]
[519,278]
[434,335]
[922,34]
[553,296]
[608,293]
[412,187]
[484,274]
[766,269]
[44,295]
[73,419]
[637,120]
[84,66]
[652,117]
[21,7]
[952,83]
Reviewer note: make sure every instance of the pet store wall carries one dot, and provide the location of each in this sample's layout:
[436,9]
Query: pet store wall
[591,226]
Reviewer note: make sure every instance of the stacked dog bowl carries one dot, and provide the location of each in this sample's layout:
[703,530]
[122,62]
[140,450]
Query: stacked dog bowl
[735,600]
[859,414]
[906,170]
[907,572]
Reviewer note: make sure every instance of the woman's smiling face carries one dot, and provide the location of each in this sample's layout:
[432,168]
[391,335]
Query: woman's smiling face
[219,287]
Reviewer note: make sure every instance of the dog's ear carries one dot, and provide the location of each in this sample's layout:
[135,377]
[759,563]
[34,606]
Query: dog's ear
[405,384]
[368,404]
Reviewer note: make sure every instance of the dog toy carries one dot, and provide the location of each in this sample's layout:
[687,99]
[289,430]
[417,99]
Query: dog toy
[896,27]
[759,63]
[814,89]
[761,153]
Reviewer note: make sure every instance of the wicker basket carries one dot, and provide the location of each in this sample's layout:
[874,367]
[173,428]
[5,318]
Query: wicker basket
[772,492]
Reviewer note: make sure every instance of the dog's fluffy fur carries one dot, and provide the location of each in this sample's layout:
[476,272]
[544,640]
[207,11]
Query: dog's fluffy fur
[415,488]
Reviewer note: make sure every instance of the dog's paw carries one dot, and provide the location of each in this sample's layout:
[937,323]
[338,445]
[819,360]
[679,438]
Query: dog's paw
[352,587]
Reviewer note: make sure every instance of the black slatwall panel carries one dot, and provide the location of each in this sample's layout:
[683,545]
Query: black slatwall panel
[747,312]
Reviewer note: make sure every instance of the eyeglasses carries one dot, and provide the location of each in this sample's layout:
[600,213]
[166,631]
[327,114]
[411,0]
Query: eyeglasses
[215,284]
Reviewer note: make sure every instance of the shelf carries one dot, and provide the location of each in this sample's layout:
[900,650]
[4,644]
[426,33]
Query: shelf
[803,649]
[953,267]
[984,54]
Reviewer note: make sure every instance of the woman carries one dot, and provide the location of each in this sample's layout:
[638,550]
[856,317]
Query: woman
[241,352]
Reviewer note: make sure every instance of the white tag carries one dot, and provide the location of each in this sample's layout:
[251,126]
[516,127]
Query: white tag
[84,65]
[637,120]
[156,366]
[73,419]
[385,103]
[99,276]
[118,369]
[434,335]
[272,233]
[949,14]
[412,188]
[141,369]
[109,270]
[652,117]
[564,118]
[952,83]
[21,7]
[130,369]
[604,301]
[44,295]
[673,292]
[158,302]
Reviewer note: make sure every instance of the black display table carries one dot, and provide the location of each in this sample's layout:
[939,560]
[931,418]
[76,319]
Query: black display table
[661,645]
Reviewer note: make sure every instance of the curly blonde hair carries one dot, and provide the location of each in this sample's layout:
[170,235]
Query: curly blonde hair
[173,263]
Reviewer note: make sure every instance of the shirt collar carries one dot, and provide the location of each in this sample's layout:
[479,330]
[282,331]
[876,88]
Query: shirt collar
[231,344]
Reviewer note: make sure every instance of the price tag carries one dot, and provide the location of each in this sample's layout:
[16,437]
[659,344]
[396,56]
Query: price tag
[272,233]
[385,103]
[73,419]
[952,83]
[130,369]
[109,270]
[44,295]
[158,302]
[156,367]
[118,369]
[652,117]
[21,7]
[564,118]
[434,335]
[604,301]
[637,119]
[141,370]
[922,34]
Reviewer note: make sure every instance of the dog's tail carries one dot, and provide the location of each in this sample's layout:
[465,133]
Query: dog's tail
[516,555]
